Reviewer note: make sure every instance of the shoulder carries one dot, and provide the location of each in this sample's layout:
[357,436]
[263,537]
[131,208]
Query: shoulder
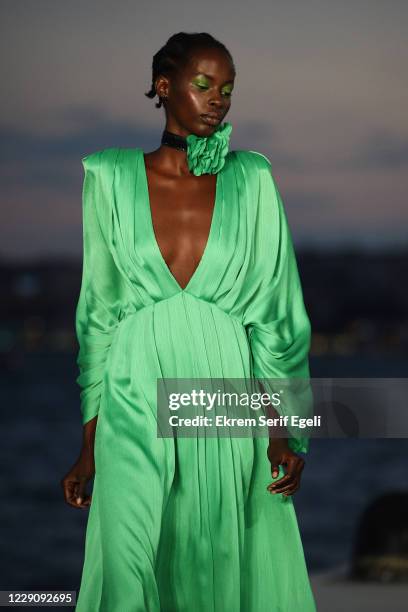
[259,175]
[102,161]
[256,168]
[253,159]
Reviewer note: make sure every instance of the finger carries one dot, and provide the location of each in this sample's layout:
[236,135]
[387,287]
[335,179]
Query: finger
[290,491]
[282,481]
[81,494]
[286,480]
[274,484]
[87,500]
[288,486]
[275,470]
[84,503]
[75,505]
[69,488]
[277,487]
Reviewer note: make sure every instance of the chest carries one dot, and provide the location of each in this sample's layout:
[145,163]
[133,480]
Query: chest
[173,235]
[181,211]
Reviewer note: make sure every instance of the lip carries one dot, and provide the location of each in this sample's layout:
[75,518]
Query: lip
[211,118]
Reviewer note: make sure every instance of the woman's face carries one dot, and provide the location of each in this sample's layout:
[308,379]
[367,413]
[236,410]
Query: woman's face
[204,86]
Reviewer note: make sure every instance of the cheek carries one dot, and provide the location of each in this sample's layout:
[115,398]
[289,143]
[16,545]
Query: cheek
[194,100]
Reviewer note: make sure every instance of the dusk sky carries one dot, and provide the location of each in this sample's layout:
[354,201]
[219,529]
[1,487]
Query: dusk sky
[321,89]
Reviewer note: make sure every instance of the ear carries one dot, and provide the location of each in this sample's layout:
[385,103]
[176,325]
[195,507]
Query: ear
[162,86]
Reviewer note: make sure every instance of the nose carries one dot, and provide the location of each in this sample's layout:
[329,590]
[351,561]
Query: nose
[217,100]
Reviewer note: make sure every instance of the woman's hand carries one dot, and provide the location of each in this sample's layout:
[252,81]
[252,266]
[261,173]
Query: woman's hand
[74,483]
[280,453]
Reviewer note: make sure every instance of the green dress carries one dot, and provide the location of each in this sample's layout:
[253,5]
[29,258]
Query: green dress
[186,524]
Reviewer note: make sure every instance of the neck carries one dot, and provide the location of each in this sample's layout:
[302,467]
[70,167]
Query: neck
[170,139]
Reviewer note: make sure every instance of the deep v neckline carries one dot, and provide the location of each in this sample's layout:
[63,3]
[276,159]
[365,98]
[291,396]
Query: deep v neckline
[210,237]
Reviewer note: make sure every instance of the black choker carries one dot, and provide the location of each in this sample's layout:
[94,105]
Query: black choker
[205,154]
[174,140]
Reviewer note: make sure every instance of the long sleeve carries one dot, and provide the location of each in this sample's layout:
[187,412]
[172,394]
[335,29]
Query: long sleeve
[278,325]
[98,306]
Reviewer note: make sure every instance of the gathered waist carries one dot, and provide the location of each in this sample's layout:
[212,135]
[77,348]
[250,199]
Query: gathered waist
[132,310]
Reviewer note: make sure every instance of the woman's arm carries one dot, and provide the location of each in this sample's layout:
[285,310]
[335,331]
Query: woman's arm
[98,308]
[97,315]
[279,327]
[276,318]
[88,435]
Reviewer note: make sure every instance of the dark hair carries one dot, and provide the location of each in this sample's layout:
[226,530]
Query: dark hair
[174,55]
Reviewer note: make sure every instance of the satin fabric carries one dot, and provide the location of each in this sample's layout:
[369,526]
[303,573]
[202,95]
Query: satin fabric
[186,524]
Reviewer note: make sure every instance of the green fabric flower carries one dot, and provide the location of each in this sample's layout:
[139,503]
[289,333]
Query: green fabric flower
[206,154]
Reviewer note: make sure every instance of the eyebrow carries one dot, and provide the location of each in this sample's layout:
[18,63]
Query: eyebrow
[212,78]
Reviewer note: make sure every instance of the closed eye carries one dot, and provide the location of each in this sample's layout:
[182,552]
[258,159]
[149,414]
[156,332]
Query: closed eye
[227,94]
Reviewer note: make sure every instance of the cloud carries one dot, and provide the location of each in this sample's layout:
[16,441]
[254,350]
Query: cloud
[93,131]
[33,160]
[380,149]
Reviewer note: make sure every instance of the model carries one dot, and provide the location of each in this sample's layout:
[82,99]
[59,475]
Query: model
[189,272]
